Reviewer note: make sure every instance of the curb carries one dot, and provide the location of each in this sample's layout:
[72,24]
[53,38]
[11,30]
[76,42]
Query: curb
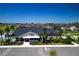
[39,46]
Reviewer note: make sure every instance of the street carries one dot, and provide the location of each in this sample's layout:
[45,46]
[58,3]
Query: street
[39,51]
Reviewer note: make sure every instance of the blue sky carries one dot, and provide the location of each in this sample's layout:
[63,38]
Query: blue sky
[39,13]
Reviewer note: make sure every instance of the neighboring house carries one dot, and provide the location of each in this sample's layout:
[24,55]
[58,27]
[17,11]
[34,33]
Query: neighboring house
[75,37]
[32,34]
[72,28]
[77,28]
[54,34]
[64,28]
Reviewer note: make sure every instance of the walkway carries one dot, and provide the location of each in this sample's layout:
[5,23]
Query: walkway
[26,44]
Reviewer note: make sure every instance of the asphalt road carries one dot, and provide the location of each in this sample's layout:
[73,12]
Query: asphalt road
[39,51]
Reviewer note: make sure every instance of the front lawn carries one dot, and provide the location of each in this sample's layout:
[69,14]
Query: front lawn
[71,33]
[55,41]
[12,43]
[61,43]
[2,27]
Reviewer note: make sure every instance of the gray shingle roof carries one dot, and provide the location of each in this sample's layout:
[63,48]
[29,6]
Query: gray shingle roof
[22,30]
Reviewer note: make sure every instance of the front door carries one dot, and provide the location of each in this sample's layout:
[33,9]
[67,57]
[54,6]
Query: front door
[26,40]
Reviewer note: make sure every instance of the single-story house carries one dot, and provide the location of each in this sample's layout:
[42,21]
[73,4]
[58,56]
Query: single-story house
[72,28]
[77,28]
[32,34]
[64,28]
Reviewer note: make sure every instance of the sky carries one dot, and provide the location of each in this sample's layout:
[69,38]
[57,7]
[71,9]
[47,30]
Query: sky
[39,12]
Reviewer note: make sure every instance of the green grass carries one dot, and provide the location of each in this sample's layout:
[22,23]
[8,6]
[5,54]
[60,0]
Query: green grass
[71,33]
[7,43]
[37,43]
[52,53]
[77,34]
[59,43]
[2,27]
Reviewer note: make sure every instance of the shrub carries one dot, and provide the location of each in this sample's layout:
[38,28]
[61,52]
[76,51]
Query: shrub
[51,39]
[8,40]
[53,53]
[56,40]
[17,39]
[67,40]
[78,39]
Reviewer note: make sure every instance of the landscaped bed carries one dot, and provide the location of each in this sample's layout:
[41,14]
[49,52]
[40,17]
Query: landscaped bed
[76,41]
[55,41]
[52,43]
[71,33]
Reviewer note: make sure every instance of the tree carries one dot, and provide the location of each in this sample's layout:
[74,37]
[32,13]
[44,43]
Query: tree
[18,40]
[7,30]
[44,34]
[52,53]
[78,39]
[51,39]
[41,36]
[56,40]
[12,27]
[1,33]
[60,32]
[67,40]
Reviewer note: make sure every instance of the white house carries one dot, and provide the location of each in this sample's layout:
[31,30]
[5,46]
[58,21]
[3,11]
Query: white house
[73,28]
[31,36]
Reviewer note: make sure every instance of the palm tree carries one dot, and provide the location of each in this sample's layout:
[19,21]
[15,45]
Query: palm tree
[1,33]
[44,34]
[12,28]
[60,32]
[41,36]
[7,30]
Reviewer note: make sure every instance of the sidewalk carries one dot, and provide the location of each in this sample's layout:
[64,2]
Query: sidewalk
[17,46]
